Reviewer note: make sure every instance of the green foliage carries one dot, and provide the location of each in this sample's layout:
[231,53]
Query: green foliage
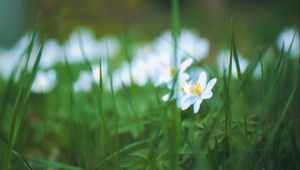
[250,123]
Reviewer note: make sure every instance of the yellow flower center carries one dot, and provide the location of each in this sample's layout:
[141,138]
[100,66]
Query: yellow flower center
[196,89]
[173,71]
[181,89]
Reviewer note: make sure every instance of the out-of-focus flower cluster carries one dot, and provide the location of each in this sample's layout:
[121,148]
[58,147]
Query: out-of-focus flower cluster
[151,62]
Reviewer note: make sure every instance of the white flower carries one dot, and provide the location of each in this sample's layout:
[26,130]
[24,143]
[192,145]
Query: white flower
[119,76]
[223,59]
[96,72]
[143,63]
[197,91]
[140,71]
[110,43]
[190,45]
[182,78]
[84,82]
[82,42]
[52,54]
[165,72]
[178,89]
[286,37]
[44,82]
[9,58]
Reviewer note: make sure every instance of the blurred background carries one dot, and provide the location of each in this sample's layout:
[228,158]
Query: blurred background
[255,22]
[137,36]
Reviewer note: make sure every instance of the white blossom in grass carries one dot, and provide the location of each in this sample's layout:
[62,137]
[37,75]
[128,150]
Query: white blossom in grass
[191,45]
[110,43]
[10,57]
[141,69]
[286,37]
[120,76]
[223,59]
[96,72]
[52,54]
[178,89]
[181,81]
[165,71]
[84,82]
[44,82]
[196,92]
[143,64]
[83,43]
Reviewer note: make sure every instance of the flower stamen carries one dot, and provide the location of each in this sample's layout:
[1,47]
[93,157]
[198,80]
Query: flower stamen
[196,89]
[173,71]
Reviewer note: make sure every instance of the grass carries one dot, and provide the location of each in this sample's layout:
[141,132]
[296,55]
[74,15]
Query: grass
[250,123]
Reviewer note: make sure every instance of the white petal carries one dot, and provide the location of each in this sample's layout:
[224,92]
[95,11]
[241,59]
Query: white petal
[185,105]
[187,100]
[185,64]
[202,79]
[197,105]
[206,94]
[179,102]
[211,84]
[166,97]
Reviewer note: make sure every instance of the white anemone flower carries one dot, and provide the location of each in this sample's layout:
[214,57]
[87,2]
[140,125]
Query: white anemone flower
[44,82]
[181,81]
[9,58]
[190,44]
[80,41]
[178,89]
[286,37]
[141,70]
[197,91]
[52,54]
[108,44]
[142,65]
[120,76]
[223,59]
[83,43]
[96,72]
[165,72]
[84,82]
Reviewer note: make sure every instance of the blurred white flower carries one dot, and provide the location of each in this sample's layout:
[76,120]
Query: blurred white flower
[140,71]
[110,45]
[52,54]
[143,64]
[96,72]
[121,75]
[84,82]
[165,71]
[8,61]
[82,42]
[190,45]
[196,92]
[223,59]
[178,89]
[9,58]
[286,37]
[44,81]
